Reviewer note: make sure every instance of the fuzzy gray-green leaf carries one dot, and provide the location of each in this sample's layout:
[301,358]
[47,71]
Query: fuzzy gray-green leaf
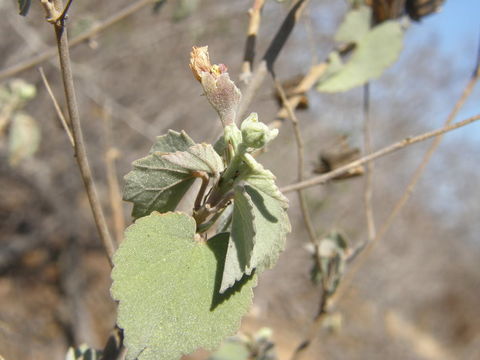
[242,239]
[199,157]
[355,25]
[160,180]
[167,284]
[155,184]
[268,209]
[171,142]
[375,52]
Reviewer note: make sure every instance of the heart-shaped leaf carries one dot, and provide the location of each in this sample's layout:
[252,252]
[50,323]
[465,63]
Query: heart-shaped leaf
[167,283]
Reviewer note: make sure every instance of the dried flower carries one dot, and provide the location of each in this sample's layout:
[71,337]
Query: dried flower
[220,91]
[200,63]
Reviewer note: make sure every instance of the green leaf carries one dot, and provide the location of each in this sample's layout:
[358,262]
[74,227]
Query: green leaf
[24,138]
[155,184]
[355,25]
[200,157]
[270,225]
[171,142]
[224,223]
[167,282]
[375,52]
[242,242]
[160,180]
[24,6]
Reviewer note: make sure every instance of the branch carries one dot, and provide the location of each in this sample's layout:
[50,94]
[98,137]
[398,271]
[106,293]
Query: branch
[300,162]
[66,127]
[52,52]
[368,247]
[321,179]
[80,151]
[271,55]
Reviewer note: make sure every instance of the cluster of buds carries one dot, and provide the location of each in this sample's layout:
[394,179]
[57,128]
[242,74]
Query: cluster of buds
[220,91]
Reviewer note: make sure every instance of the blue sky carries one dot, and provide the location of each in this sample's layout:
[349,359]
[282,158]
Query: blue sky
[456,30]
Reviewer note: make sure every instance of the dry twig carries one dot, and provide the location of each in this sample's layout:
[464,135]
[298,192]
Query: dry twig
[300,161]
[366,250]
[66,127]
[80,150]
[321,179]
[369,172]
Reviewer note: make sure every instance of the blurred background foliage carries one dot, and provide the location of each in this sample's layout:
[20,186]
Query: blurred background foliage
[417,295]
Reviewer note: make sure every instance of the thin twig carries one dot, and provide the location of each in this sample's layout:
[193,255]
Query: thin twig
[50,53]
[365,250]
[321,179]
[80,151]
[66,127]
[271,56]
[304,208]
[300,162]
[63,15]
[369,168]
[255,13]
[90,88]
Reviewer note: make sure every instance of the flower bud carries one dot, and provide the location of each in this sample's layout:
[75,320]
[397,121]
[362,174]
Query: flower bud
[256,134]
